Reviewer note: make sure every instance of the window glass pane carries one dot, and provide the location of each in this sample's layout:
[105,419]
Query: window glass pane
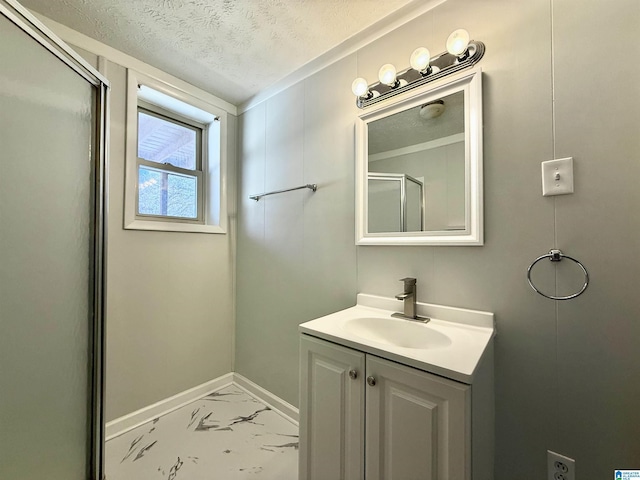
[149,192]
[167,194]
[182,196]
[163,141]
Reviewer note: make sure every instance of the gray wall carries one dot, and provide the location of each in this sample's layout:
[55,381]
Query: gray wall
[296,255]
[566,373]
[169,294]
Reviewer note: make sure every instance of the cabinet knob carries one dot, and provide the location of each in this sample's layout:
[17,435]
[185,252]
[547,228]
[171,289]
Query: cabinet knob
[353,374]
[371,381]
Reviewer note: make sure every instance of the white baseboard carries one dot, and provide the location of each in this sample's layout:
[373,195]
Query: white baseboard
[277,404]
[124,424]
[129,422]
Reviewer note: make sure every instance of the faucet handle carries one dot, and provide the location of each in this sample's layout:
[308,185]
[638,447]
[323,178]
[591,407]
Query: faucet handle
[408,281]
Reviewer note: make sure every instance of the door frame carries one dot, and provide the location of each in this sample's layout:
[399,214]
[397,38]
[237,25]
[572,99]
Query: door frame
[27,22]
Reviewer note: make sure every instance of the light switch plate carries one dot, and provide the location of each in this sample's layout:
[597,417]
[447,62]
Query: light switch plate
[557,177]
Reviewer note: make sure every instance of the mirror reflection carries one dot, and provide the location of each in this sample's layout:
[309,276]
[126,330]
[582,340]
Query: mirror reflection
[416,168]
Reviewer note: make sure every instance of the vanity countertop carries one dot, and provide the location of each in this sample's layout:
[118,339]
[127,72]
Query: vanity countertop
[461,336]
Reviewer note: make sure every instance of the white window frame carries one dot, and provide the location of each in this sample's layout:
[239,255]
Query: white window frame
[167,168]
[143,89]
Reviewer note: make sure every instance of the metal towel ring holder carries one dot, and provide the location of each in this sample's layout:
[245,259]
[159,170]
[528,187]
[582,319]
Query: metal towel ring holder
[556,256]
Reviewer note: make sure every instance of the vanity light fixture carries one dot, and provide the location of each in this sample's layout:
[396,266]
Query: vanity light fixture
[420,59]
[457,44]
[360,88]
[461,53]
[387,75]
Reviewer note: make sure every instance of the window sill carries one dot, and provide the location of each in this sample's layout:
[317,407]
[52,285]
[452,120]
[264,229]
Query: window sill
[173,227]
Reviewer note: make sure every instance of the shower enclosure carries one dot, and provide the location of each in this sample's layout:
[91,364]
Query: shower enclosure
[396,203]
[52,137]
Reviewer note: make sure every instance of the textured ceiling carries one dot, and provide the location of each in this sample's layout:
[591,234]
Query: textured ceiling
[409,128]
[231,48]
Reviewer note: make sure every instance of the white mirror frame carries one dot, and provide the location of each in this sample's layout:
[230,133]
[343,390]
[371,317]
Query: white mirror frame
[470,83]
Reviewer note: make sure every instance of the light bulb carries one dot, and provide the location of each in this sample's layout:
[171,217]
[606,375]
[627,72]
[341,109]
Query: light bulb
[458,42]
[359,87]
[387,74]
[420,59]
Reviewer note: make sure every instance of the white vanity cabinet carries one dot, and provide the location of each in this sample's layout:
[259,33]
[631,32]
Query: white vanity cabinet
[364,417]
[332,398]
[416,424]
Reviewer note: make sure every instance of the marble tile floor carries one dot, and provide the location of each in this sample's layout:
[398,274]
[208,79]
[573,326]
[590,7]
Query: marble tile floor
[227,435]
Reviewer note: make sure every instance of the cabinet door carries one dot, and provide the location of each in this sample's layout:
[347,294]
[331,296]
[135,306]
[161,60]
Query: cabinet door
[417,424]
[331,411]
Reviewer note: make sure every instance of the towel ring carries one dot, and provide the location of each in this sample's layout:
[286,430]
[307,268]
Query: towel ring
[556,256]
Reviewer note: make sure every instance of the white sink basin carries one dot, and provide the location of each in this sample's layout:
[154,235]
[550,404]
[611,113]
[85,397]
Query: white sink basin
[397,332]
[450,345]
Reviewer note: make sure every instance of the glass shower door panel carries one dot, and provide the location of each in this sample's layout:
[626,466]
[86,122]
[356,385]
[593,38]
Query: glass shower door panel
[385,205]
[414,206]
[45,261]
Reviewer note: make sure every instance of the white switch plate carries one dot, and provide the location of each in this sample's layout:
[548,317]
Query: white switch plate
[557,177]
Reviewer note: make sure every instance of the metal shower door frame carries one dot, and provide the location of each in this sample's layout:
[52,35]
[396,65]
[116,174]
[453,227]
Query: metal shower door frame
[402,178]
[29,24]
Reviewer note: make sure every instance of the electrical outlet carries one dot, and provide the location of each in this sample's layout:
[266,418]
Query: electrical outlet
[560,467]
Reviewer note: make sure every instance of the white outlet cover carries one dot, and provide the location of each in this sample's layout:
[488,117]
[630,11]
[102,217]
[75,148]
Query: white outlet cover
[560,467]
[557,177]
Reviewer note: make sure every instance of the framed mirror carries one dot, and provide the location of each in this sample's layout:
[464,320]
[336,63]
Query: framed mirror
[419,166]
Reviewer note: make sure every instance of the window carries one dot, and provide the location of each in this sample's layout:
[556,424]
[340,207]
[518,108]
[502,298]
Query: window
[170,152]
[175,160]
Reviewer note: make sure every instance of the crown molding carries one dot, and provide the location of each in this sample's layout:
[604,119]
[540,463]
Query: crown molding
[354,43]
[92,45]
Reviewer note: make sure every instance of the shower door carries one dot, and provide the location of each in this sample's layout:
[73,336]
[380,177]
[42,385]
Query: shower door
[52,125]
[395,203]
